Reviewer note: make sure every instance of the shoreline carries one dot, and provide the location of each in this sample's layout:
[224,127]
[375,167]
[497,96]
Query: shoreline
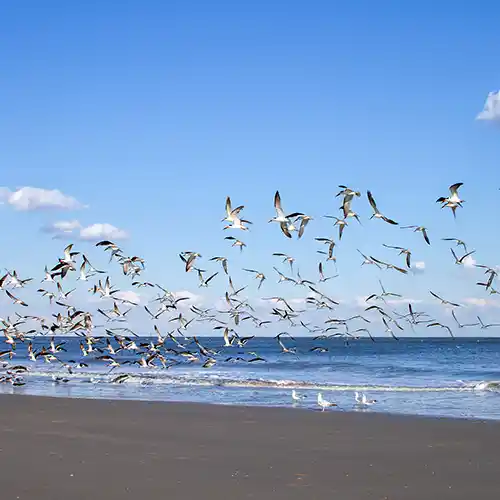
[301,408]
[56,447]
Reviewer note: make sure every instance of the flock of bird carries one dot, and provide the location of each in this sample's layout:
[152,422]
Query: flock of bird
[107,342]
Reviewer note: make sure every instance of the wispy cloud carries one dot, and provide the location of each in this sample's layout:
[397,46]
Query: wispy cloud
[404,300]
[97,232]
[418,267]
[74,229]
[129,296]
[491,109]
[28,199]
[63,228]
[480,302]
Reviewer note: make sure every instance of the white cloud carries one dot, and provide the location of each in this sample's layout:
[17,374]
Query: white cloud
[361,301]
[94,232]
[62,228]
[480,302]
[129,296]
[4,195]
[404,300]
[418,267]
[30,198]
[491,109]
[469,262]
[190,295]
[97,232]
[298,301]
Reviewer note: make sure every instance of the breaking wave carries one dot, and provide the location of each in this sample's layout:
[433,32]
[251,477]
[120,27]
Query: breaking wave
[216,380]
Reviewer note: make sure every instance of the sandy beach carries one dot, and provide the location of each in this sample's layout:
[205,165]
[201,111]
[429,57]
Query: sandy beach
[55,448]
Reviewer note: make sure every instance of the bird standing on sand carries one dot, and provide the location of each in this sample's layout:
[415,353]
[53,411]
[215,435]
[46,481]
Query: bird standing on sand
[323,403]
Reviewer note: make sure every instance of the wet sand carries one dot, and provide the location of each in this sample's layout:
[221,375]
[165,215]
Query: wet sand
[53,449]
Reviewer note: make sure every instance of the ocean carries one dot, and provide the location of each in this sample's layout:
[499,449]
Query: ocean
[435,377]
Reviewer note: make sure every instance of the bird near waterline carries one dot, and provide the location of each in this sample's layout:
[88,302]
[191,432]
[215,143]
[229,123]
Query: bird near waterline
[362,400]
[296,397]
[323,403]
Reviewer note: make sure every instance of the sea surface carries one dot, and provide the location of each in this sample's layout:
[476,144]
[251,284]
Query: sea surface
[439,377]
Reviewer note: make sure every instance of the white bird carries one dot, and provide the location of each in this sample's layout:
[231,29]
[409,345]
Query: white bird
[362,400]
[297,397]
[285,221]
[323,403]
[231,214]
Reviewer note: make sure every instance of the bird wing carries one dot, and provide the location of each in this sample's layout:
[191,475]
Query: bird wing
[277,204]
[454,188]
[372,201]
[426,238]
[303,225]
[284,229]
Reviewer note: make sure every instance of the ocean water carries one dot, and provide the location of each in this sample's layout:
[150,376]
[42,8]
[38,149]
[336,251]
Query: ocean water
[439,377]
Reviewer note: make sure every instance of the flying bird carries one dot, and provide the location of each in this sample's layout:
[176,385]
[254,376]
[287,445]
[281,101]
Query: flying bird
[421,229]
[453,201]
[376,212]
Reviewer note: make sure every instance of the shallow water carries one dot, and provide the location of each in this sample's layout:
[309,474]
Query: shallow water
[441,377]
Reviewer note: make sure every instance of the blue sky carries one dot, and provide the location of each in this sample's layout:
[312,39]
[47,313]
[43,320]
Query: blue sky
[150,113]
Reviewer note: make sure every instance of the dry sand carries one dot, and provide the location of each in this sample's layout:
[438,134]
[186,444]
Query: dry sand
[72,449]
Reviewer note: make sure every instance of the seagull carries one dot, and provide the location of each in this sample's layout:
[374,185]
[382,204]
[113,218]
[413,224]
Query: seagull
[237,223]
[443,301]
[286,258]
[376,212]
[362,400]
[389,330]
[205,282]
[341,223]
[331,246]
[459,324]
[382,295]
[389,265]
[484,327]
[223,261]
[258,275]
[422,229]
[368,260]
[15,282]
[348,212]
[189,258]
[461,260]
[231,215]
[323,403]
[347,192]
[402,251]
[297,397]
[284,220]
[15,299]
[304,220]
[440,325]
[453,201]
[236,242]
[322,277]
[458,242]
